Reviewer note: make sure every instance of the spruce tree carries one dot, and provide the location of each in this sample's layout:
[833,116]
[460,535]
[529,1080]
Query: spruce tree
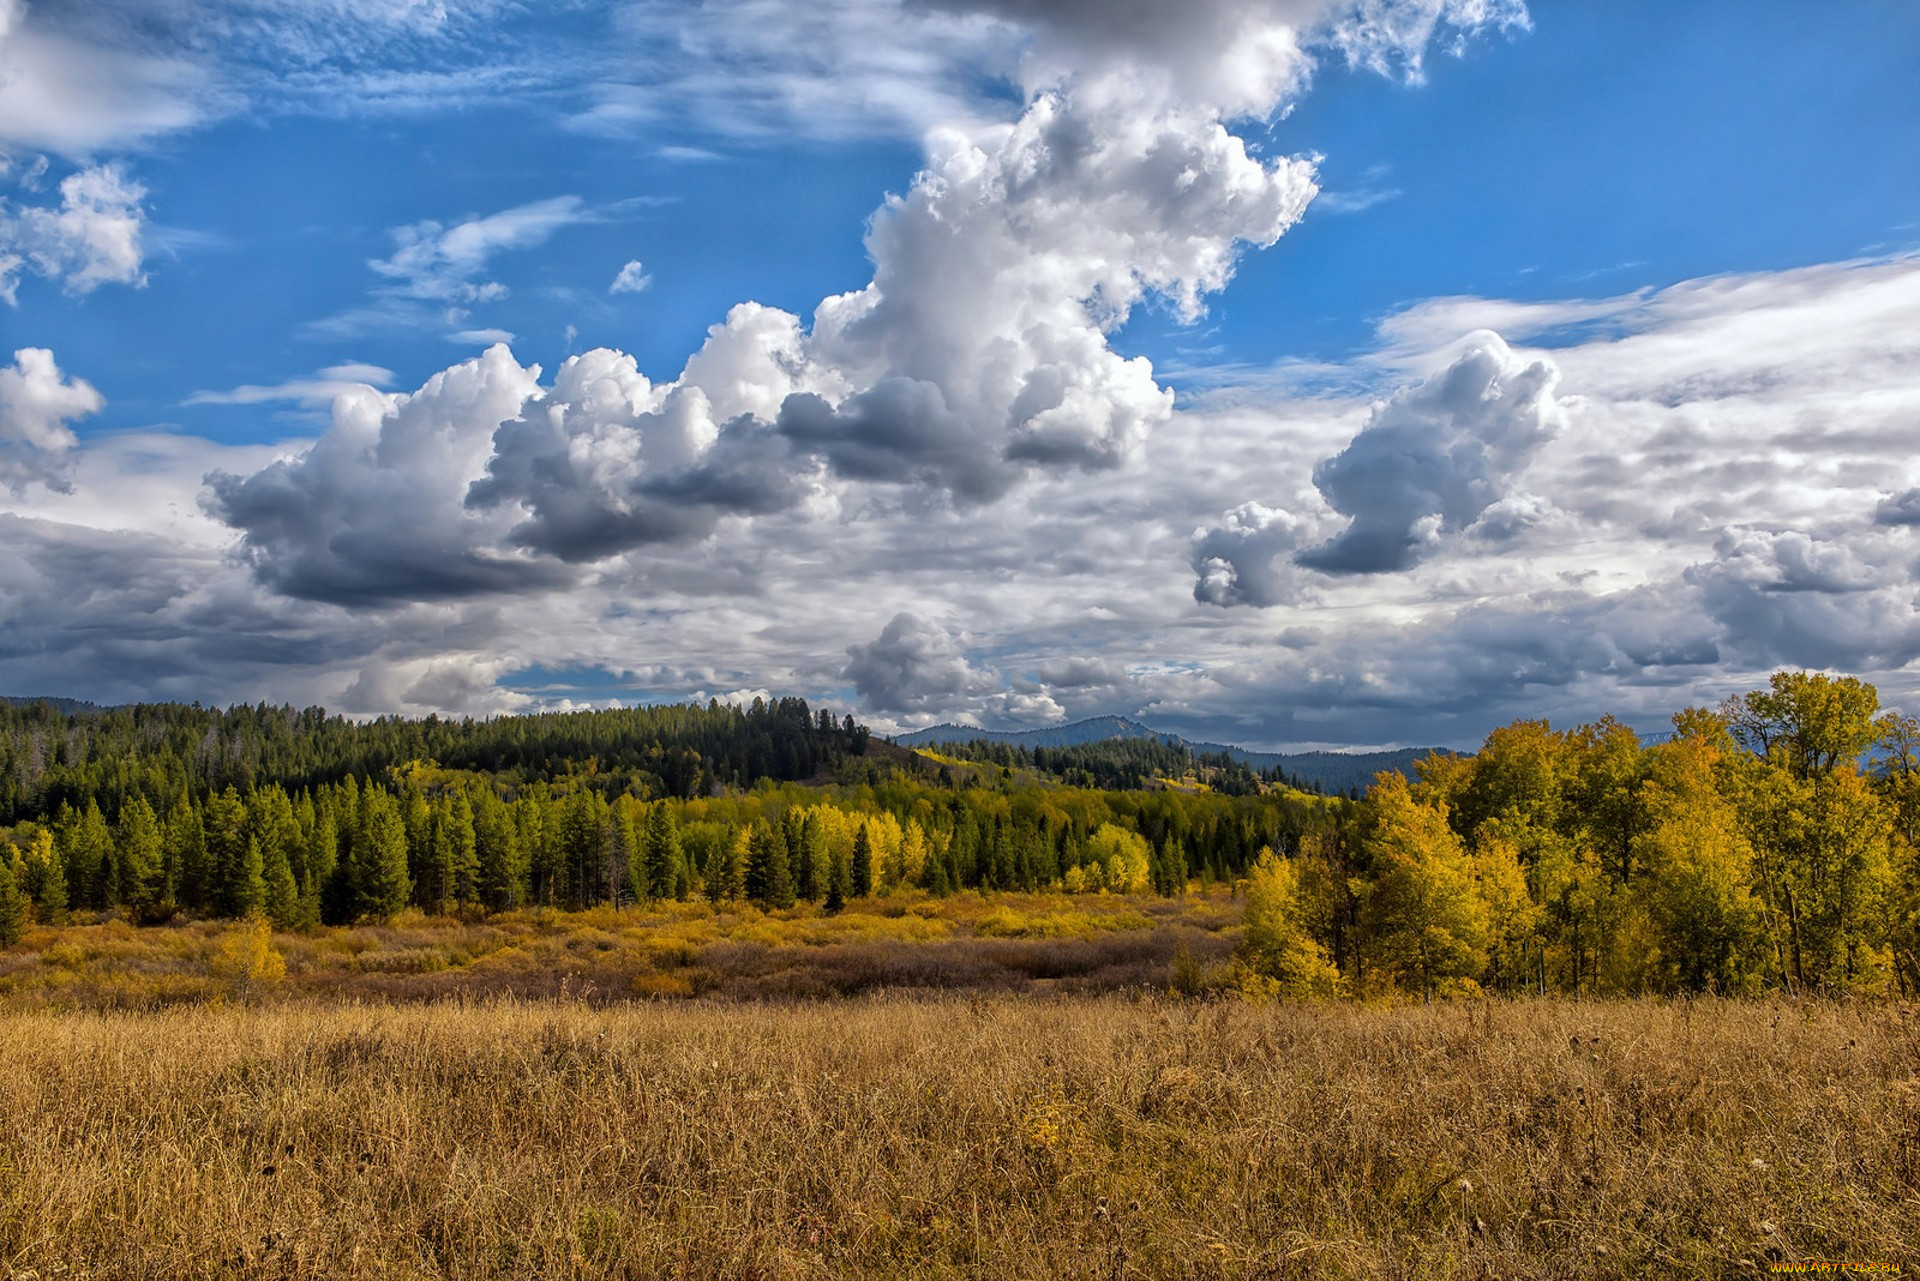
[815,854]
[377,865]
[245,889]
[281,897]
[140,854]
[497,852]
[13,905]
[463,854]
[769,874]
[184,854]
[837,882]
[793,825]
[860,873]
[225,823]
[46,879]
[660,851]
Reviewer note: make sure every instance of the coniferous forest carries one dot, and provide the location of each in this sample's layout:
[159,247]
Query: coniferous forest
[1768,842]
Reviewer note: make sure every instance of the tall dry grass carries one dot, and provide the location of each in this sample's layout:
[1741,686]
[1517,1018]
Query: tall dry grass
[958,1137]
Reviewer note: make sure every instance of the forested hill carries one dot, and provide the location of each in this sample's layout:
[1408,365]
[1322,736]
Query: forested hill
[53,753]
[1114,751]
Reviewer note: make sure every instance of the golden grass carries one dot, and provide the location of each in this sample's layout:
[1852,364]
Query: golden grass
[958,1137]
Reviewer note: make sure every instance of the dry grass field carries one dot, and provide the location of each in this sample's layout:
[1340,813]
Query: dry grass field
[976,1135]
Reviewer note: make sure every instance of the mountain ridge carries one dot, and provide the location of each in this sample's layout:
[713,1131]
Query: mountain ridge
[1333,771]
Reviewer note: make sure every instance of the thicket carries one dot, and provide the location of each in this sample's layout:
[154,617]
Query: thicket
[1767,843]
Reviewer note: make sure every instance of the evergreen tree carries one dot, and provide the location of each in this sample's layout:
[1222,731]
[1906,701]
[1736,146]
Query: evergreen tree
[839,880]
[184,856]
[497,851]
[46,879]
[726,871]
[660,855]
[860,871]
[769,875]
[225,822]
[377,862]
[815,854]
[141,856]
[281,896]
[13,904]
[462,860]
[245,890]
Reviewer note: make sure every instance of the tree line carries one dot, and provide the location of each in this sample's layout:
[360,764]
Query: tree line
[52,756]
[445,840]
[1769,842]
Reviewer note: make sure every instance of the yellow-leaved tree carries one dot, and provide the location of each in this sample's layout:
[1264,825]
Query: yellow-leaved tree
[1283,956]
[1425,920]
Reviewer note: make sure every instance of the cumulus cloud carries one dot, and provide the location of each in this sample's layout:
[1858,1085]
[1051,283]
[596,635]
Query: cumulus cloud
[372,513]
[1899,509]
[1436,456]
[91,239]
[37,402]
[1240,561]
[1790,596]
[913,666]
[979,353]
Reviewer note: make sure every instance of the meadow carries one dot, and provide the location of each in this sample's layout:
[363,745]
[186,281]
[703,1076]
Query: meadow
[991,1087]
[959,1136]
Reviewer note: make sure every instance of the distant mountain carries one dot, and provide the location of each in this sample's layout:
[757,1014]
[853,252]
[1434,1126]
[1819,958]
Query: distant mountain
[65,706]
[1096,730]
[1333,771]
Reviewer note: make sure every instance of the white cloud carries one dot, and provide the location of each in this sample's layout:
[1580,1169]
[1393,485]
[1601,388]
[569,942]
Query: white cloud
[322,388]
[37,402]
[92,238]
[439,263]
[632,279]
[76,96]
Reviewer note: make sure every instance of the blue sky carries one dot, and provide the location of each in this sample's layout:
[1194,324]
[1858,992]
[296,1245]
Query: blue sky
[1287,372]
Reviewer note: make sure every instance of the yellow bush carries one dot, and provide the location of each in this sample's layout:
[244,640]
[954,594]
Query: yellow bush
[246,958]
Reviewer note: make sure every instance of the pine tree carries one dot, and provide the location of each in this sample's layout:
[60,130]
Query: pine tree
[463,853]
[281,893]
[185,856]
[839,879]
[377,863]
[13,905]
[141,855]
[769,875]
[46,879]
[860,872]
[660,851]
[497,851]
[245,890]
[225,822]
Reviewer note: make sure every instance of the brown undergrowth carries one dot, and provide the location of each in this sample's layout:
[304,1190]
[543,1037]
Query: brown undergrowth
[958,1136]
[1006,942]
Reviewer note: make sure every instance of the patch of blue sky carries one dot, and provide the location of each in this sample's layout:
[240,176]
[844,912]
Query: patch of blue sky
[1613,147]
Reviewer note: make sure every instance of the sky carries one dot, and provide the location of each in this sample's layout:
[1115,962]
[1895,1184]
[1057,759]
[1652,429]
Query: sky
[1288,373]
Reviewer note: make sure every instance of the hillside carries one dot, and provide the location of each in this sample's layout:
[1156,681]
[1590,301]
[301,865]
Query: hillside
[1330,771]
